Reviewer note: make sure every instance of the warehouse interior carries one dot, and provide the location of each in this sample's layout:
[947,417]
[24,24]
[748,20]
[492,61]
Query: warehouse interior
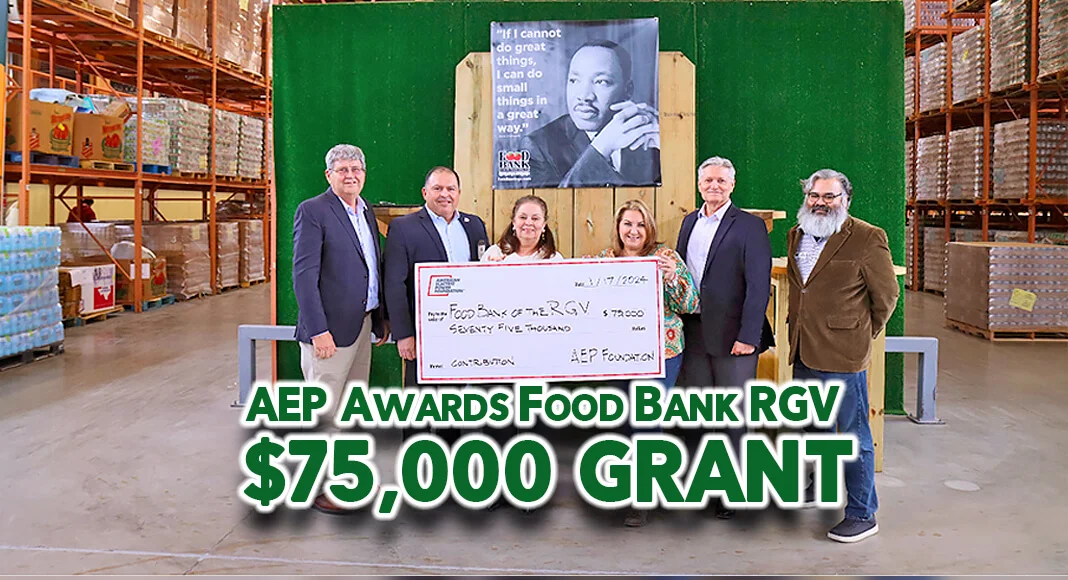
[156,152]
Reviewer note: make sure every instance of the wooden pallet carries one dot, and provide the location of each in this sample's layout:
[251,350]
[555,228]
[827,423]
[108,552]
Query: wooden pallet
[230,65]
[1019,335]
[102,315]
[108,165]
[934,292]
[101,12]
[165,300]
[191,175]
[194,296]
[29,356]
[253,283]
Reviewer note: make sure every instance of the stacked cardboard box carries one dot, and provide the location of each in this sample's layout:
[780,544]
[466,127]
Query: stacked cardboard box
[191,26]
[51,127]
[933,78]
[968,65]
[227,136]
[231,28]
[965,171]
[250,237]
[910,86]
[982,279]
[227,254]
[1012,157]
[155,141]
[159,16]
[1052,36]
[931,168]
[98,137]
[189,124]
[153,280]
[250,148]
[253,40]
[186,248]
[70,296]
[1010,29]
[934,258]
[78,246]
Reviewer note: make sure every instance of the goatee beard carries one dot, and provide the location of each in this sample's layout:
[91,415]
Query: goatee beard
[821,226]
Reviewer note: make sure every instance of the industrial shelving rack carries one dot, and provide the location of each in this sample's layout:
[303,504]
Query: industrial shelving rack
[1036,98]
[114,55]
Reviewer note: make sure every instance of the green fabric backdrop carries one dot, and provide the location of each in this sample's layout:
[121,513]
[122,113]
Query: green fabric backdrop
[783,89]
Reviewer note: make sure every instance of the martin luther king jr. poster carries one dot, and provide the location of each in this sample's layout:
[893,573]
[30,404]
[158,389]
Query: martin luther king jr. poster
[575,104]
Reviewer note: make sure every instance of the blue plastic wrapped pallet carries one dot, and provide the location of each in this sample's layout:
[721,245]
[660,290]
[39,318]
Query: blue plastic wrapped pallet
[30,313]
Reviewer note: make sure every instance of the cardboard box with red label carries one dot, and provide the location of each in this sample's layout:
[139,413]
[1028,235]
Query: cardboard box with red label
[51,127]
[153,280]
[98,137]
[97,283]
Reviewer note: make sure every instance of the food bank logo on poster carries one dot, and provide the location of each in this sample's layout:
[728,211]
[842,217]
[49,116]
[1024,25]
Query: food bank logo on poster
[443,285]
[513,163]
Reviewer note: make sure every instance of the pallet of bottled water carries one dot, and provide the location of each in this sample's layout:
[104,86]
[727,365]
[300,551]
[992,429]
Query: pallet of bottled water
[30,312]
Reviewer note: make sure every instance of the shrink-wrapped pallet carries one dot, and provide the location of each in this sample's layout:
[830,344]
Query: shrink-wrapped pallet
[1008,286]
[931,168]
[250,148]
[227,254]
[1052,36]
[1012,159]
[227,137]
[155,141]
[78,245]
[968,65]
[186,247]
[1010,27]
[965,170]
[250,237]
[933,78]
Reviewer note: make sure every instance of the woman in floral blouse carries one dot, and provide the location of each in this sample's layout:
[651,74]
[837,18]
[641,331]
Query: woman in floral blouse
[636,237]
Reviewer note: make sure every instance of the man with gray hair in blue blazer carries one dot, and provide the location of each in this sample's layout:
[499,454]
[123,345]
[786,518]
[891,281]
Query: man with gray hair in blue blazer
[337,278]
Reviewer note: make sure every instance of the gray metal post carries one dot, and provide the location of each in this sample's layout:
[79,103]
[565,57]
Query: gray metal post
[927,376]
[247,335]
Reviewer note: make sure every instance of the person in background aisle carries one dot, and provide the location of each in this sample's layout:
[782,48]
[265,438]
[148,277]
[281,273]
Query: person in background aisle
[636,237]
[842,292]
[729,254]
[528,238]
[437,233]
[337,281]
[83,211]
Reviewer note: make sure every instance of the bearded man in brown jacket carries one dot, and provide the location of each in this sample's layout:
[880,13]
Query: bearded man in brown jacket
[842,291]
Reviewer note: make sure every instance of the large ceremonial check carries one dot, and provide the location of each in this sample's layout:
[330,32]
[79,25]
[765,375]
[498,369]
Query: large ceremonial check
[564,320]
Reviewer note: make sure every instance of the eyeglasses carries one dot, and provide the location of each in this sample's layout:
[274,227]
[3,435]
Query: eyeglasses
[827,197]
[347,170]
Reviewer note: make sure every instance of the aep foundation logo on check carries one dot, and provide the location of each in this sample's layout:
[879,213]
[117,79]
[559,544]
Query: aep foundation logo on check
[443,285]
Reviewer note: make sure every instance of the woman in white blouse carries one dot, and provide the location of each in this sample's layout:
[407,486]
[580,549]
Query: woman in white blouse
[528,237]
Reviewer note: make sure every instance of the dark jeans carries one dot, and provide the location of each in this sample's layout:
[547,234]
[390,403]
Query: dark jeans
[853,419]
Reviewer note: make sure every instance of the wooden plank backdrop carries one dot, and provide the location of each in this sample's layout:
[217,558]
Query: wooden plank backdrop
[582,219]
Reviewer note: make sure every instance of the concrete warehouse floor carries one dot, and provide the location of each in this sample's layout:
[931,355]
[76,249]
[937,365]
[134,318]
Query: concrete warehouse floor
[121,457]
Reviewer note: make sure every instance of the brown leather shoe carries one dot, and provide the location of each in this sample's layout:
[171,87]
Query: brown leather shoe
[323,504]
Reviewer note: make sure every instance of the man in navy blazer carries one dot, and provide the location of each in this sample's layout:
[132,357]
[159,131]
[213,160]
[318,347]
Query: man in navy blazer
[337,277]
[729,255]
[437,233]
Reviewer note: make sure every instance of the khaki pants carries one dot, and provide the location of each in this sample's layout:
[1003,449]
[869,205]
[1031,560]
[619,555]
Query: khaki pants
[349,363]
